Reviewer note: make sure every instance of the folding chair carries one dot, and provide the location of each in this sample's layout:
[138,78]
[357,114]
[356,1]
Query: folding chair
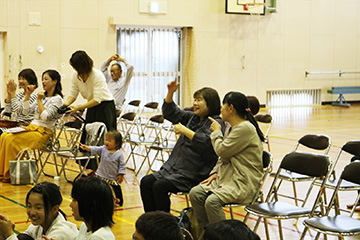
[353,149]
[267,159]
[42,155]
[315,165]
[82,159]
[338,225]
[318,143]
[164,145]
[265,119]
[151,134]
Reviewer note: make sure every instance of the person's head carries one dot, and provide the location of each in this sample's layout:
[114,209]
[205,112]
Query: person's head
[229,230]
[27,77]
[206,102]
[157,226]
[236,101]
[92,202]
[43,203]
[82,63]
[113,140]
[254,104]
[115,71]
[51,81]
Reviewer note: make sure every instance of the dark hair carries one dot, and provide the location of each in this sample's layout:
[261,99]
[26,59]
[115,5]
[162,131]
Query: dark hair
[211,98]
[117,64]
[229,230]
[254,104]
[158,225]
[82,62]
[95,200]
[51,196]
[117,136]
[241,106]
[29,75]
[54,75]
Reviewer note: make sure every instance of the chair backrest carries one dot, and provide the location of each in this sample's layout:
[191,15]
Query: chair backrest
[267,160]
[315,142]
[350,147]
[95,133]
[265,119]
[311,164]
[350,174]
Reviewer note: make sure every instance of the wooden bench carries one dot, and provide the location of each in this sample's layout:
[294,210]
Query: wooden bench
[343,90]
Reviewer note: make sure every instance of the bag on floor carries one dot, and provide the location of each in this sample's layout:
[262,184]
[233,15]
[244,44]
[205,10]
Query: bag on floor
[187,220]
[23,170]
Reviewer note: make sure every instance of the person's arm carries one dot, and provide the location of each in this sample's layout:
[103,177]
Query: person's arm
[30,100]
[237,140]
[50,109]
[69,100]
[181,129]
[84,147]
[89,104]
[129,67]
[172,87]
[6,227]
[10,90]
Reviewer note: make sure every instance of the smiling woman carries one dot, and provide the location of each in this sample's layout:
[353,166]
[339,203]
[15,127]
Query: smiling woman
[43,209]
[193,157]
[38,131]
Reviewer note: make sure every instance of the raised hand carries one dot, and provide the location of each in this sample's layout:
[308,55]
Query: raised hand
[173,86]
[40,95]
[11,87]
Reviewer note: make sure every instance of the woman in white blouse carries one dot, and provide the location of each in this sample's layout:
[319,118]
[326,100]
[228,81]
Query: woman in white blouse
[91,84]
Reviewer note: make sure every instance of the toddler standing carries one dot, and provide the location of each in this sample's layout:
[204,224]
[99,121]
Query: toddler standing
[112,167]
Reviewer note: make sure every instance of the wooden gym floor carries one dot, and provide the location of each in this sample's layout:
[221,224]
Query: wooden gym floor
[341,124]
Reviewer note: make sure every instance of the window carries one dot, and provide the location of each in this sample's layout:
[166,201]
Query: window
[155,54]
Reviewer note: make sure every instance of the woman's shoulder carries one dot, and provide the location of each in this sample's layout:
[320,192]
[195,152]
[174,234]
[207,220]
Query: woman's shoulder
[103,233]
[97,74]
[244,126]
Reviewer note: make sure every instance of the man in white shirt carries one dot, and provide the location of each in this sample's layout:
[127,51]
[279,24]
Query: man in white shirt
[118,84]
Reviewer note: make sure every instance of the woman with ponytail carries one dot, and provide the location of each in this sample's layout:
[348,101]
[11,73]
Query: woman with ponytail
[237,174]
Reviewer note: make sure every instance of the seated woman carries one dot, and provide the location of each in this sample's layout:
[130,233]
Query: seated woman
[237,174]
[43,209]
[93,204]
[14,101]
[38,131]
[192,157]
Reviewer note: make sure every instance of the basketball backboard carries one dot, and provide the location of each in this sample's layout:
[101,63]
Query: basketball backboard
[249,7]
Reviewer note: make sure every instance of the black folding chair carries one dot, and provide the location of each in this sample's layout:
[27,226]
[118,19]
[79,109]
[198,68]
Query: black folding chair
[338,225]
[311,164]
[317,143]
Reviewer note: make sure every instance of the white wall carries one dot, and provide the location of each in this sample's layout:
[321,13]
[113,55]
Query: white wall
[275,50]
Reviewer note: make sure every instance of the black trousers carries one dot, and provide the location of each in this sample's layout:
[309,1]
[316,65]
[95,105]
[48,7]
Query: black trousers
[104,112]
[118,193]
[155,193]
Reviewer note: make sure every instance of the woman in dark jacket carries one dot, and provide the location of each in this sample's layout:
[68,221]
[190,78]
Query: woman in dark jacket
[193,156]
